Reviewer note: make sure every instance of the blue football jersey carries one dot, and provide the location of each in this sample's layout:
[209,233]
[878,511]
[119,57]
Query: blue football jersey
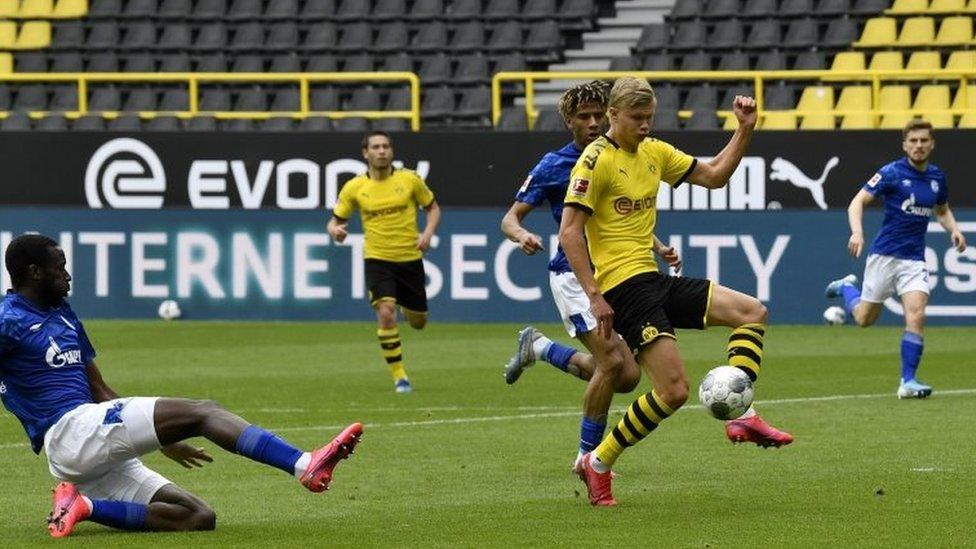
[42,364]
[909,196]
[548,181]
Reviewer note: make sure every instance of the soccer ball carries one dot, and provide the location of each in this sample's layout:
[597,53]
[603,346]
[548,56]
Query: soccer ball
[169,310]
[835,315]
[726,392]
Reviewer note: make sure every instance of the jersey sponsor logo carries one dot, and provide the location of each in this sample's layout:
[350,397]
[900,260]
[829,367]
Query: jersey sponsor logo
[784,170]
[382,212]
[625,205]
[57,358]
[875,179]
[580,186]
[127,174]
[909,207]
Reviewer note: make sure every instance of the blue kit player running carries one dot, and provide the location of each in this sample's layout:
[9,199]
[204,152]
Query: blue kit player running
[93,438]
[911,189]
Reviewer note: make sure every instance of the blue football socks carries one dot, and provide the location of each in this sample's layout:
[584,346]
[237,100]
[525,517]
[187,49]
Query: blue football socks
[591,433]
[266,447]
[911,354]
[852,296]
[559,355]
[123,515]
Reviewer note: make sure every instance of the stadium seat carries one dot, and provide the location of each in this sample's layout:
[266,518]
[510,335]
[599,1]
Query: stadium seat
[103,61]
[174,100]
[878,32]
[163,124]
[666,120]
[435,69]
[722,9]
[734,61]
[355,37]
[578,11]
[967,120]
[104,9]
[140,35]
[33,35]
[398,100]
[314,124]
[212,36]
[965,98]
[501,10]
[365,99]
[320,37]
[31,62]
[779,97]
[653,38]
[908,7]
[802,33]
[209,9]
[698,61]
[892,61]
[931,99]
[176,10]
[961,60]
[281,10]
[773,120]
[352,10]
[64,98]
[15,122]
[869,7]
[7,64]
[141,99]
[472,69]
[543,41]
[686,9]
[282,36]
[833,8]
[947,6]
[668,97]
[89,123]
[285,62]
[818,122]
[771,61]
[438,103]
[356,124]
[214,99]
[703,97]
[917,31]
[68,35]
[848,61]
[244,10]
[212,62]
[391,38]
[317,10]
[37,9]
[512,119]
[840,33]
[52,123]
[858,122]
[139,9]
[730,93]
[955,31]
[322,63]
[759,9]
[689,35]
[175,36]
[702,120]
[362,62]
[924,61]
[659,62]
[728,34]
[474,104]
[30,97]
[200,124]
[426,10]
[392,125]
[139,62]
[534,10]
[810,61]
[324,98]
[549,120]
[462,10]
[71,61]
[894,98]
[276,124]
[764,34]
[248,37]
[4,97]
[624,63]
[470,36]
[286,99]
[431,37]
[125,123]
[895,121]
[816,98]
[9,8]
[253,99]
[795,8]
[854,98]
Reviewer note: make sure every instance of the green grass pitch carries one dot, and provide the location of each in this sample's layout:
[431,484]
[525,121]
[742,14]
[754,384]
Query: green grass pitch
[468,461]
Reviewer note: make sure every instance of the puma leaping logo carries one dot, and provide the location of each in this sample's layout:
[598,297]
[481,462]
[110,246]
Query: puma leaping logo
[784,170]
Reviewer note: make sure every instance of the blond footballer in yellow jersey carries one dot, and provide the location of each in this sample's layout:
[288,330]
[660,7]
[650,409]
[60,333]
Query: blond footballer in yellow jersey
[388,200]
[611,197]
[619,189]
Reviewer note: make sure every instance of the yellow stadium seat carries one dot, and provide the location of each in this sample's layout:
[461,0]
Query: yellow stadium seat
[971,6]
[8,34]
[778,120]
[934,98]
[917,31]
[965,99]
[947,6]
[924,61]
[730,123]
[848,61]
[968,120]
[887,61]
[34,35]
[817,122]
[878,31]
[894,121]
[961,60]
[903,7]
[9,8]
[816,98]
[854,98]
[895,98]
[36,9]
[70,9]
[6,63]
[955,31]
[859,122]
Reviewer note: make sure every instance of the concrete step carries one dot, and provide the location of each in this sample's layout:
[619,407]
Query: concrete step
[581,65]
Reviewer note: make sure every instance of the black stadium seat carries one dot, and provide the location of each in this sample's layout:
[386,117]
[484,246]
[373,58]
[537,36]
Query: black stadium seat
[174,9]
[52,123]
[244,10]
[759,9]
[726,35]
[722,9]
[314,10]
[389,10]
[654,38]
[426,10]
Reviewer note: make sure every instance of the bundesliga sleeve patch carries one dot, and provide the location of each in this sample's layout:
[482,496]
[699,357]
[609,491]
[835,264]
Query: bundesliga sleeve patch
[580,186]
[525,185]
[875,179]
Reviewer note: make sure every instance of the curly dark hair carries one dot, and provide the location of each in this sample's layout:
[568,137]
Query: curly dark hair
[596,91]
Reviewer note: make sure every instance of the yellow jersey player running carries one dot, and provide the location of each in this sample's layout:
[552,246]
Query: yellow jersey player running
[388,199]
[612,196]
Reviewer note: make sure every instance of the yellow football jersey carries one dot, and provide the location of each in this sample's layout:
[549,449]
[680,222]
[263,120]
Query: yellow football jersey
[619,191]
[388,209]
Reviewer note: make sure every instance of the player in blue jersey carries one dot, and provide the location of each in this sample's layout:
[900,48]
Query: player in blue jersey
[93,437]
[911,189]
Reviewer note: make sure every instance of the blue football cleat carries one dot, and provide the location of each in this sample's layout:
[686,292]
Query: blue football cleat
[914,388]
[403,385]
[524,356]
[833,289]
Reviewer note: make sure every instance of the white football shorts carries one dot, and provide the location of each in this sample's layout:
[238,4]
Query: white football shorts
[573,305]
[96,446]
[885,276]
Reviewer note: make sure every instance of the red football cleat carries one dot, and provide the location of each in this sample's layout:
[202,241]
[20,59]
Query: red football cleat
[597,484]
[69,509]
[754,429]
[319,473]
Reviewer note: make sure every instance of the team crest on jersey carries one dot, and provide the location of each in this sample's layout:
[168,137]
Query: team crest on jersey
[935,185]
[580,186]
[906,182]
[648,334]
[875,179]
[57,358]
[525,184]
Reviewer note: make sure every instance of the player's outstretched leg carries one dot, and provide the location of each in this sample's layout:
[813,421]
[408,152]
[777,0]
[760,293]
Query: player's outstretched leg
[912,345]
[747,317]
[180,419]
[534,345]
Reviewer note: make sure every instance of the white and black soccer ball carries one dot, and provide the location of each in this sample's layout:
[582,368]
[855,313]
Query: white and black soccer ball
[169,310]
[835,315]
[726,392]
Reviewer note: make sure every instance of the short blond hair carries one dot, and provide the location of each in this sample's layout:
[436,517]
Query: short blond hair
[630,92]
